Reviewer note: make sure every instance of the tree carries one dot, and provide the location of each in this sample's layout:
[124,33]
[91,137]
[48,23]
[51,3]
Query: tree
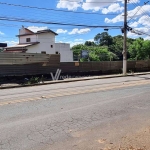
[96,53]
[137,50]
[89,43]
[103,39]
[146,47]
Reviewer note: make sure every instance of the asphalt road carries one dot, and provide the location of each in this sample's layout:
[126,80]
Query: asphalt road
[86,115]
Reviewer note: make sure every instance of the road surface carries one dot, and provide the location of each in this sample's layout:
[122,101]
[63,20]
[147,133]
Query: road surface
[104,114]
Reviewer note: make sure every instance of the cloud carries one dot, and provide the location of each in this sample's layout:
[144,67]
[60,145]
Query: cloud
[77,40]
[94,5]
[145,20]
[11,43]
[135,14]
[35,28]
[133,1]
[72,43]
[70,5]
[113,8]
[132,35]
[139,32]
[147,38]
[80,31]
[118,18]
[1,33]
[130,2]
[91,40]
[134,24]
[61,31]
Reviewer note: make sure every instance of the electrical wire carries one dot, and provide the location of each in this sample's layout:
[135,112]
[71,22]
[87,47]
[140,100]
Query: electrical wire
[56,23]
[33,7]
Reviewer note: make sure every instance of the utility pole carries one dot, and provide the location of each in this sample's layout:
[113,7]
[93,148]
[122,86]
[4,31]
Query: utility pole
[125,40]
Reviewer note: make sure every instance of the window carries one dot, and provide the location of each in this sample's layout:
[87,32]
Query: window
[51,46]
[57,53]
[28,40]
[43,52]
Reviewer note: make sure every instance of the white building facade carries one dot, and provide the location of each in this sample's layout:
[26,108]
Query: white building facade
[41,42]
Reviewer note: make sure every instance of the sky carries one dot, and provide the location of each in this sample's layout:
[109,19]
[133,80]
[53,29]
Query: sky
[41,14]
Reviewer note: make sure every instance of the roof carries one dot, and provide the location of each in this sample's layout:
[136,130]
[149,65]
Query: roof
[38,32]
[21,46]
[29,30]
[46,31]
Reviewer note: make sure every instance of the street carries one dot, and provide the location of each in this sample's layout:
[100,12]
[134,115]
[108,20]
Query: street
[104,114]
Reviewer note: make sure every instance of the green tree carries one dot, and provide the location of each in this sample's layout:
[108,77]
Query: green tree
[146,47]
[137,51]
[89,43]
[103,39]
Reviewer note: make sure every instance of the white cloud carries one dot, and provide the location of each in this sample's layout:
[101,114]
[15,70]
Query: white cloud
[11,43]
[118,18]
[147,38]
[139,32]
[61,31]
[35,28]
[70,5]
[139,11]
[77,40]
[74,43]
[80,31]
[130,2]
[145,20]
[1,33]
[96,5]
[132,35]
[113,8]
[134,24]
[135,13]
[133,1]
[91,40]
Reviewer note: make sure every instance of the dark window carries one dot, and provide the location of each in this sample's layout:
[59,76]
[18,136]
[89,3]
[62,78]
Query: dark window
[28,40]
[51,46]
[57,53]
[43,52]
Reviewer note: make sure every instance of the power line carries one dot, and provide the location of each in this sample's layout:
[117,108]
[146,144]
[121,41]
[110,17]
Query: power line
[140,7]
[85,2]
[33,7]
[56,23]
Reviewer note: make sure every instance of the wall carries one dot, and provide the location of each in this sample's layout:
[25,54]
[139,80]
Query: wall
[33,38]
[27,58]
[24,31]
[71,68]
[66,55]
[18,64]
[46,40]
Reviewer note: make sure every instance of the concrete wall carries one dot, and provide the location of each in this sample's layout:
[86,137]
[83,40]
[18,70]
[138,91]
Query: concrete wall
[33,38]
[66,55]
[47,44]
[24,31]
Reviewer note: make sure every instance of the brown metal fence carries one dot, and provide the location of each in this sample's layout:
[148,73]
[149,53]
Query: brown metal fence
[13,64]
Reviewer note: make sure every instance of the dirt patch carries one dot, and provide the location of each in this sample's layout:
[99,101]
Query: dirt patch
[139,141]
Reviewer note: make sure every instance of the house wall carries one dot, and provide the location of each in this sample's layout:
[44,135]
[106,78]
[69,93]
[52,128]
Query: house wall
[47,44]
[23,31]
[66,55]
[22,39]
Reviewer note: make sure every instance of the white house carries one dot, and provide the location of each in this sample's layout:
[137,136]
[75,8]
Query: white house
[42,41]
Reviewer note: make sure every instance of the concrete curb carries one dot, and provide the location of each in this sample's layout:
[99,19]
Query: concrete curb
[75,80]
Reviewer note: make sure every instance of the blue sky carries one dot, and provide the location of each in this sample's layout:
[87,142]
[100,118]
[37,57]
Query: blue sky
[94,13]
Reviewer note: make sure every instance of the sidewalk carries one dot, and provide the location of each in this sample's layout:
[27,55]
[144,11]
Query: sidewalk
[8,86]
